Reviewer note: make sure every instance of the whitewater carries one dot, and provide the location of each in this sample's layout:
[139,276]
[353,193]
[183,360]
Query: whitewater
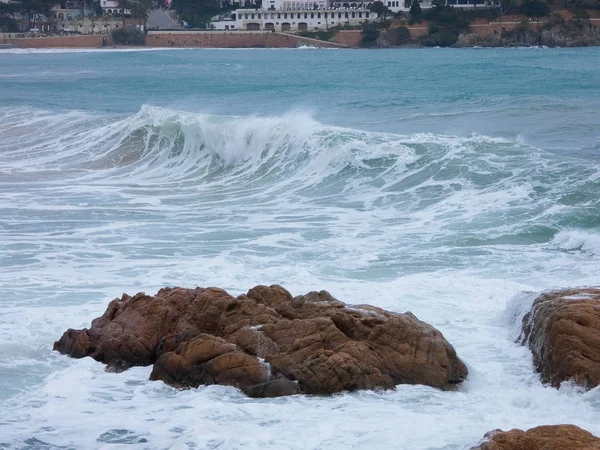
[455,184]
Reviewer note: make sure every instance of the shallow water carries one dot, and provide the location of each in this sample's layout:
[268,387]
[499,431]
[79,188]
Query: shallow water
[451,183]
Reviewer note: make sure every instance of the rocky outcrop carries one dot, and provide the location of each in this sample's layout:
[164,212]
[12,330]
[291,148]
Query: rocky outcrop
[266,342]
[468,40]
[570,33]
[563,331]
[492,39]
[394,37]
[559,437]
[556,32]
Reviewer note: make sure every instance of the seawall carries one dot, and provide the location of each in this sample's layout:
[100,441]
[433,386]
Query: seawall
[59,41]
[231,39]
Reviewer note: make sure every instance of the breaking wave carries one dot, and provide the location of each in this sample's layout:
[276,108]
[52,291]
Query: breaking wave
[436,178]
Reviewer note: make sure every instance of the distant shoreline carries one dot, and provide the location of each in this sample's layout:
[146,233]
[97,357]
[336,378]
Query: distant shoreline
[548,33]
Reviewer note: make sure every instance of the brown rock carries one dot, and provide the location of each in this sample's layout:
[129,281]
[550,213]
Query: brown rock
[468,40]
[266,343]
[563,332]
[547,437]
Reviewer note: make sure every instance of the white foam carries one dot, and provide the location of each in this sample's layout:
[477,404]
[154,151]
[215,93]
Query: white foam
[570,240]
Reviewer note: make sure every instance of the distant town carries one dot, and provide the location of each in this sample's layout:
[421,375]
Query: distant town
[103,16]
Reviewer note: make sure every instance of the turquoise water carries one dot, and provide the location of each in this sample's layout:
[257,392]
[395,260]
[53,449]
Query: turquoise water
[452,183]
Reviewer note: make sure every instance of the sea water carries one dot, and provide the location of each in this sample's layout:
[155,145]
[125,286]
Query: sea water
[455,184]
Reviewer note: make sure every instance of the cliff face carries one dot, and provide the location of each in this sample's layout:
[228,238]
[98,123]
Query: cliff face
[555,33]
[572,33]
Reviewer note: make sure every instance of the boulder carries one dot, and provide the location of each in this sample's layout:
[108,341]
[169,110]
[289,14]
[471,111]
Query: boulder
[492,39]
[563,332]
[468,40]
[266,342]
[559,437]
[394,37]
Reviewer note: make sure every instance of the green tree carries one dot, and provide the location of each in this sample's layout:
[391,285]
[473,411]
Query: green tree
[197,12]
[534,8]
[446,24]
[506,6]
[97,8]
[370,34]
[8,25]
[581,14]
[128,36]
[140,10]
[416,13]
[33,7]
[379,8]
[124,5]
[8,9]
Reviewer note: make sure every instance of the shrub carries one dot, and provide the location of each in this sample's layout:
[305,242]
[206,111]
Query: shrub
[535,8]
[128,36]
[581,14]
[398,36]
[369,36]
[9,25]
[444,37]
[416,13]
[446,25]
[323,35]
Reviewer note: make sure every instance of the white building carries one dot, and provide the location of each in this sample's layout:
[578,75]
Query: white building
[404,5]
[309,15]
[112,7]
[293,19]
[294,15]
[295,5]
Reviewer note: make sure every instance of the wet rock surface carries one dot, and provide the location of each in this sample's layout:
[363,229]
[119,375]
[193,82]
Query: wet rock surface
[547,437]
[563,332]
[266,342]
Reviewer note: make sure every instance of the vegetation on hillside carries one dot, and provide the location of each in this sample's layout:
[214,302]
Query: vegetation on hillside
[197,13]
[416,13]
[128,36]
[378,7]
[534,8]
[323,35]
[445,25]
[370,34]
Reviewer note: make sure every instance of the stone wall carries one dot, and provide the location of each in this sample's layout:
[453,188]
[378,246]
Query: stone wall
[350,38]
[229,39]
[418,30]
[59,41]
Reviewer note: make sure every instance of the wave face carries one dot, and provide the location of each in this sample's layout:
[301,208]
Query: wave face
[462,229]
[461,192]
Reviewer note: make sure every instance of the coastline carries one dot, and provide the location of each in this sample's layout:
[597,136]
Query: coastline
[552,32]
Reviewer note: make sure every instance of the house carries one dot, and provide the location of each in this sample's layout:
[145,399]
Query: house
[289,15]
[404,5]
[292,19]
[111,7]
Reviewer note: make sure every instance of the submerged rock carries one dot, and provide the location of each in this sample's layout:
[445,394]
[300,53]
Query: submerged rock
[559,437]
[266,342]
[563,332]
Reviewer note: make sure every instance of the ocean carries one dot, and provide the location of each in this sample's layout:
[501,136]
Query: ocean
[452,183]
